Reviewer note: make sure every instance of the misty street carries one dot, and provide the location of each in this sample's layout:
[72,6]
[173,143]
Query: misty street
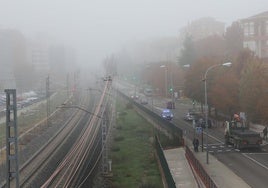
[124,93]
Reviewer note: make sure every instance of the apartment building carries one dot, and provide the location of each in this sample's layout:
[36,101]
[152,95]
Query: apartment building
[255,29]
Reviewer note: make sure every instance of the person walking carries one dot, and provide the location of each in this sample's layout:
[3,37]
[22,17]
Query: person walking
[196,144]
[265,133]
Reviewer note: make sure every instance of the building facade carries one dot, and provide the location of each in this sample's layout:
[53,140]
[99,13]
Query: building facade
[255,29]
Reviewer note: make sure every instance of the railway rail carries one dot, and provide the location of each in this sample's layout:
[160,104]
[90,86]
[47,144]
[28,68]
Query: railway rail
[86,152]
[38,166]
[31,171]
[72,156]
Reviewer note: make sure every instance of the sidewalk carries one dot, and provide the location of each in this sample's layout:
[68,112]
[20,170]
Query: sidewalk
[185,177]
[220,174]
[180,168]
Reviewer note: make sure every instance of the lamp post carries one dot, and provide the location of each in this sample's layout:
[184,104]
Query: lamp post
[171,90]
[166,87]
[206,100]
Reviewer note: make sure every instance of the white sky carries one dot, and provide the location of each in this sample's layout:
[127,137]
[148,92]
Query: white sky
[101,27]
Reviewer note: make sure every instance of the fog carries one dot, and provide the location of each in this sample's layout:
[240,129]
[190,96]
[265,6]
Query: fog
[99,28]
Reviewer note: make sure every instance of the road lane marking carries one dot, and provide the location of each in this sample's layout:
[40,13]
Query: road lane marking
[255,161]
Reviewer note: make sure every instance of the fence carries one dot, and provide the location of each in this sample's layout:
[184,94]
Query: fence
[164,165]
[199,168]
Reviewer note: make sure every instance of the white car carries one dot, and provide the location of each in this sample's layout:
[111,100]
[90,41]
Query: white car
[189,117]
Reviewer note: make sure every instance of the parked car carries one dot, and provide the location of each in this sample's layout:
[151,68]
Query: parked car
[167,114]
[189,117]
[192,114]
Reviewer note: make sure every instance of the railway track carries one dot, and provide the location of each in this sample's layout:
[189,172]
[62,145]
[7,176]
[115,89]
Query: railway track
[34,168]
[40,165]
[71,157]
[83,157]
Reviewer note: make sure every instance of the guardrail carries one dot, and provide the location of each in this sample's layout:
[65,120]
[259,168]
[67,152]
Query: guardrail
[199,168]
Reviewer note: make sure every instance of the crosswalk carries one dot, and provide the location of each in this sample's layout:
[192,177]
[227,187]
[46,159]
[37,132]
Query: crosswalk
[220,148]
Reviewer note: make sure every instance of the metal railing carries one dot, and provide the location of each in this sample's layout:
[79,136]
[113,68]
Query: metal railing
[199,168]
[164,165]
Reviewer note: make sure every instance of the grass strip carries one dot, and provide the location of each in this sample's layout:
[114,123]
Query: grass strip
[133,161]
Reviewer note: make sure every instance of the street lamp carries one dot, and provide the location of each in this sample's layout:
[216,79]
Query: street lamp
[206,100]
[171,89]
[166,88]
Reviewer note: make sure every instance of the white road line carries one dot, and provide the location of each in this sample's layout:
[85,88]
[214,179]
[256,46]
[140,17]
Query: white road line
[214,138]
[255,161]
[256,153]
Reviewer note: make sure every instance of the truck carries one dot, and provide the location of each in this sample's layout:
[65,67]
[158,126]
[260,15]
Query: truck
[238,134]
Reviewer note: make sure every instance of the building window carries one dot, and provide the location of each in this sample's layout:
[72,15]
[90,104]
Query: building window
[251,28]
[245,29]
[250,45]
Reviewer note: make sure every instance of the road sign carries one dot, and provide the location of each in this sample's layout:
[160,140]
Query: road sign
[198,130]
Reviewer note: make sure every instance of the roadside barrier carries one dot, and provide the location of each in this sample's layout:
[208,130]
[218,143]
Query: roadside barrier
[164,165]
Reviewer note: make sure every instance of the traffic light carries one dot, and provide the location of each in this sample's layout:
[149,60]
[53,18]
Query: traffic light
[170,89]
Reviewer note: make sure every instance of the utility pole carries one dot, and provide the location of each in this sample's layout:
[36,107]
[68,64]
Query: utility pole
[172,89]
[12,170]
[105,168]
[106,122]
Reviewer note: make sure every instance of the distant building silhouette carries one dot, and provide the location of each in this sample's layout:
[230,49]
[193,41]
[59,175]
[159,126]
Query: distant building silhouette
[202,28]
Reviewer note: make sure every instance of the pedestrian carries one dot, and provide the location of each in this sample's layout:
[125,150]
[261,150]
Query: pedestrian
[265,133]
[195,144]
